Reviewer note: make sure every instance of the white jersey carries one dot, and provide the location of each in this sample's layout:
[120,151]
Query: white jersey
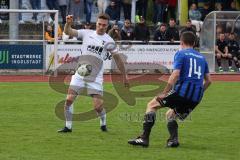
[95,49]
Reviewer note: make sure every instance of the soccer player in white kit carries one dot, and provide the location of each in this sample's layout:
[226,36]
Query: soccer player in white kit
[95,48]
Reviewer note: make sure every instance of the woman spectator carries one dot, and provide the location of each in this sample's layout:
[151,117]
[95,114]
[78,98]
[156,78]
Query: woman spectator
[75,7]
[102,5]
[49,33]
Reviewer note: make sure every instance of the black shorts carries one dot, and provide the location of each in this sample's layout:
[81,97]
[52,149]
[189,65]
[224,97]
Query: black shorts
[182,106]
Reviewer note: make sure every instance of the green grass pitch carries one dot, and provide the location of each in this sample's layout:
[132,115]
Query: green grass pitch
[28,126]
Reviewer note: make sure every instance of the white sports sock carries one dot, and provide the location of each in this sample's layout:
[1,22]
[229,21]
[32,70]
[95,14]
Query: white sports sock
[68,116]
[103,116]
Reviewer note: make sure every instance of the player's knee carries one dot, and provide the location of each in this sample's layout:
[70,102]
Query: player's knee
[98,109]
[235,59]
[68,102]
[151,105]
[170,115]
[98,106]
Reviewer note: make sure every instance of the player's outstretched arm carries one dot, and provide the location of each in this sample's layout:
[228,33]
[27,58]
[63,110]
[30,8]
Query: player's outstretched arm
[207,81]
[68,29]
[121,67]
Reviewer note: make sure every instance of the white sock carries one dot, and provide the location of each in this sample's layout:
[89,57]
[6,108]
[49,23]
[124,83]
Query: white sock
[68,116]
[103,116]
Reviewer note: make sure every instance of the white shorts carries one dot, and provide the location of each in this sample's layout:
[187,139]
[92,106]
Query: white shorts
[79,85]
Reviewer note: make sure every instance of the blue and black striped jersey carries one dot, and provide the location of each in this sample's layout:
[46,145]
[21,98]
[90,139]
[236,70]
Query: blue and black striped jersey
[193,66]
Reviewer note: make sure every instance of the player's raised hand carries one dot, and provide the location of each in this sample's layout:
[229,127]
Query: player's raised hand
[69,19]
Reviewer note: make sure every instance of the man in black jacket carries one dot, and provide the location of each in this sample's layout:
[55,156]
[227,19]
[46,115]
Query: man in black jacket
[161,34]
[141,31]
[172,31]
[188,28]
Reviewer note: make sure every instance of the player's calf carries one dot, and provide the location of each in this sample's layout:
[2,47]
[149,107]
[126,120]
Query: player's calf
[172,128]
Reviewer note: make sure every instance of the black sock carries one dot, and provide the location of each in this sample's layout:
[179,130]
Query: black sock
[219,62]
[173,129]
[149,120]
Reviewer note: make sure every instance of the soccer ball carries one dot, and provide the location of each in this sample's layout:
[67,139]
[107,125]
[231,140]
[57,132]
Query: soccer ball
[84,69]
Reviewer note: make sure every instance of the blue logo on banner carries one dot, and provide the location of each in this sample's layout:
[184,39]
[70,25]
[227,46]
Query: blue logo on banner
[21,56]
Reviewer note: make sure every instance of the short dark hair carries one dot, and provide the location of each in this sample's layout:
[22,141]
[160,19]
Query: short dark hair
[103,16]
[163,24]
[188,38]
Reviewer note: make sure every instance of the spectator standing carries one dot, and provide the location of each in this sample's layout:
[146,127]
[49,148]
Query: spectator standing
[172,4]
[52,4]
[20,14]
[205,11]
[141,8]
[161,6]
[102,5]
[36,5]
[88,4]
[195,17]
[63,9]
[232,7]
[127,8]
[113,12]
[75,7]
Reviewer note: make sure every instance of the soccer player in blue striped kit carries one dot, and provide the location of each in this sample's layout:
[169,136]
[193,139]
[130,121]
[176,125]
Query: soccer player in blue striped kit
[183,92]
